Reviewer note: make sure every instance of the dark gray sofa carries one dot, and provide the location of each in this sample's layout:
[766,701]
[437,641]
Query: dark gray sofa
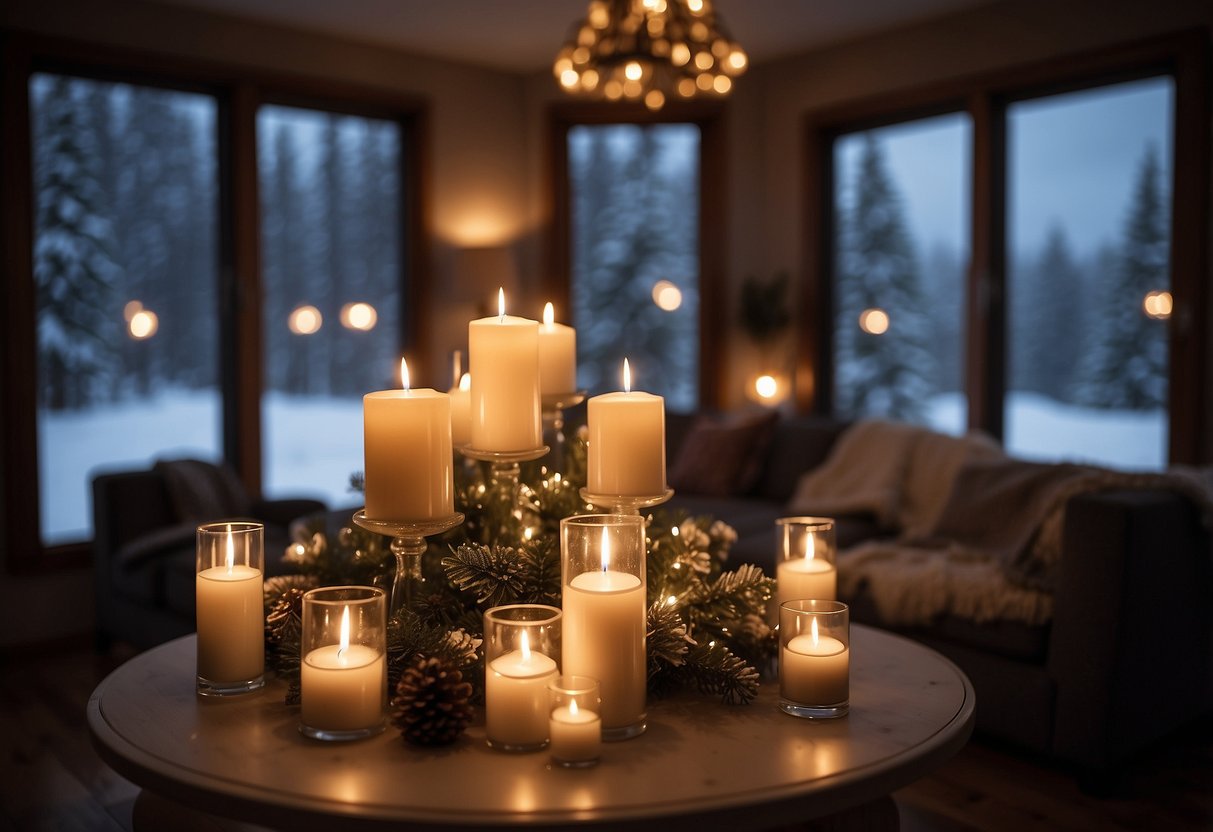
[1127,657]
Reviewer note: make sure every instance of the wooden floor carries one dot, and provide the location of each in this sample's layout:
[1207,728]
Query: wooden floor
[50,777]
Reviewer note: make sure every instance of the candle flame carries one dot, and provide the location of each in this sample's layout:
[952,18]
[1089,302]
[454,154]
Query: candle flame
[810,546]
[501,305]
[345,632]
[404,375]
[572,707]
[525,646]
[549,314]
[814,630]
[605,551]
[231,550]
[627,377]
[465,381]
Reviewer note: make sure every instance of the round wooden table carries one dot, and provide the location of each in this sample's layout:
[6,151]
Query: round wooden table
[700,765]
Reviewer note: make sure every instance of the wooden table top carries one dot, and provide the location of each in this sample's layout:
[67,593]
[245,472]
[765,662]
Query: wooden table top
[700,765]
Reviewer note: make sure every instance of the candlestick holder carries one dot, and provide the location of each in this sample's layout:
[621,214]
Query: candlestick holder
[408,545]
[554,405]
[626,503]
[504,478]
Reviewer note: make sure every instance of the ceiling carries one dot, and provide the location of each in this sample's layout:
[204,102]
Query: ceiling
[524,35]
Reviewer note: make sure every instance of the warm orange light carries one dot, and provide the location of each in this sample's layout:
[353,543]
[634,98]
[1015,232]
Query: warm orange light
[704,60]
[654,100]
[666,295]
[722,84]
[130,309]
[569,79]
[305,320]
[1158,305]
[360,316]
[680,53]
[633,71]
[501,304]
[874,321]
[143,324]
[766,386]
[627,388]
[549,314]
[404,374]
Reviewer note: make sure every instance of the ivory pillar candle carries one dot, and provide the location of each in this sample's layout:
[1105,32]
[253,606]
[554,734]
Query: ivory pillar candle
[505,401]
[408,453]
[815,671]
[626,443]
[604,614]
[557,356]
[229,608]
[342,690]
[516,699]
[461,411]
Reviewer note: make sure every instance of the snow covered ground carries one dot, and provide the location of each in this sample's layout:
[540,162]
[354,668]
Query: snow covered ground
[313,444]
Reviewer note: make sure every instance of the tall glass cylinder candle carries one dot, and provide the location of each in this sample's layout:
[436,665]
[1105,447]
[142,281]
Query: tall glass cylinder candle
[230,616]
[603,577]
[814,658]
[807,552]
[343,663]
[504,363]
[522,655]
[626,443]
[407,449]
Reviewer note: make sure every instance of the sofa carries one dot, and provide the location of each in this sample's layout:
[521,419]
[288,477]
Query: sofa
[144,525]
[1111,651]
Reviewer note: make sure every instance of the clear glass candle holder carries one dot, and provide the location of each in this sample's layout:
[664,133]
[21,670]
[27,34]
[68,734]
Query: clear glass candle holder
[343,663]
[814,658]
[603,579]
[574,724]
[521,655]
[230,614]
[807,552]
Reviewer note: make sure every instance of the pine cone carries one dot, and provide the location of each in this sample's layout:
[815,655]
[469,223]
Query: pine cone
[431,705]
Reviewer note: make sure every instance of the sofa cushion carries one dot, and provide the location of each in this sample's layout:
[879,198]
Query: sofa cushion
[203,492]
[934,461]
[723,457]
[798,445]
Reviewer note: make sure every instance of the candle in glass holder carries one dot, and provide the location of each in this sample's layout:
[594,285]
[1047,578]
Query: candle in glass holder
[814,658]
[557,355]
[229,611]
[574,725]
[626,442]
[522,642]
[806,567]
[407,439]
[343,667]
[505,400]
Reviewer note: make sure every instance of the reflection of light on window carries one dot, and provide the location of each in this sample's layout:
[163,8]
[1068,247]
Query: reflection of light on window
[143,324]
[1158,305]
[874,321]
[666,295]
[305,320]
[766,386]
[130,309]
[360,316]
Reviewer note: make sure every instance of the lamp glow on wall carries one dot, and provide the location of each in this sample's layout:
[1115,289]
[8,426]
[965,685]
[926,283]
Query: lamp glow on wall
[650,51]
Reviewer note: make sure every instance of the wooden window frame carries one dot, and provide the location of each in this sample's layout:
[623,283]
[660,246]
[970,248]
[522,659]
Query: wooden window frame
[1183,56]
[557,278]
[238,93]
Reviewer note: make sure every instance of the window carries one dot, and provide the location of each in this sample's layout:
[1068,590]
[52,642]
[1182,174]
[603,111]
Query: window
[1063,310]
[1088,278]
[902,218]
[635,257]
[330,253]
[125,271]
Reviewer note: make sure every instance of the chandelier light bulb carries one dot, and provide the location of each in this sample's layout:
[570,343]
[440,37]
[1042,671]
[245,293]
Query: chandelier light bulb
[680,53]
[633,71]
[569,79]
[654,100]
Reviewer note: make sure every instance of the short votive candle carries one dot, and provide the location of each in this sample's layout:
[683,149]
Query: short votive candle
[522,656]
[814,658]
[807,552]
[574,724]
[343,663]
[230,615]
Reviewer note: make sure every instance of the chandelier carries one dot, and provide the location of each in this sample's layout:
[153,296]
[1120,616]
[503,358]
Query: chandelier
[650,51]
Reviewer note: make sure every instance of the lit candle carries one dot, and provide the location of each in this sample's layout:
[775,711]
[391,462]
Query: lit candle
[461,411]
[806,577]
[604,634]
[407,438]
[516,697]
[342,687]
[557,356]
[505,399]
[231,623]
[814,670]
[627,442]
[576,733]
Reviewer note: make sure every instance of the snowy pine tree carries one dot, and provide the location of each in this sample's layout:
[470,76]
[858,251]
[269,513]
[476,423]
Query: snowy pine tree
[1127,365]
[1043,312]
[76,308]
[879,375]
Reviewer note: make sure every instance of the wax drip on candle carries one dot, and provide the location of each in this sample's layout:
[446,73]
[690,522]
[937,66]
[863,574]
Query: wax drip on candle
[813,627]
[605,550]
[404,375]
[501,305]
[810,546]
[231,551]
[627,377]
[345,632]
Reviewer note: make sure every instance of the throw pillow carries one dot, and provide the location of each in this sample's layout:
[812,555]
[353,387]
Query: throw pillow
[723,458]
[201,491]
